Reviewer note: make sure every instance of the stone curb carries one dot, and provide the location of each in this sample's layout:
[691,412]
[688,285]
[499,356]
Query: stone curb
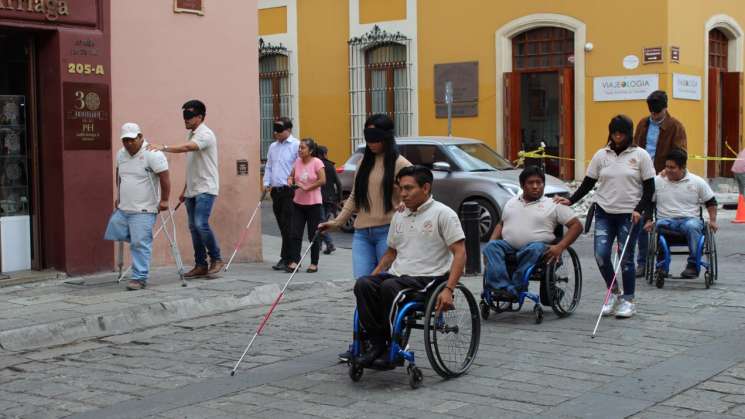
[64,332]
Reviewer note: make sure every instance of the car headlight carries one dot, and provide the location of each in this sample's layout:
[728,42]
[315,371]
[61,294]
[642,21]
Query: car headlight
[513,189]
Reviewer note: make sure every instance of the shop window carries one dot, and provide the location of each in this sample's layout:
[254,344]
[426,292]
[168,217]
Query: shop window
[275,96]
[380,81]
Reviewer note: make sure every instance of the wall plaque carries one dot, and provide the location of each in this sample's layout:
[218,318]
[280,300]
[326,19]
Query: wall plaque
[189,6]
[87,122]
[675,54]
[465,80]
[241,167]
[653,55]
[613,88]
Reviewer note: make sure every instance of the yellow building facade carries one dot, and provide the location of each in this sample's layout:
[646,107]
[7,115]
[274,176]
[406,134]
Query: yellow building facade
[523,73]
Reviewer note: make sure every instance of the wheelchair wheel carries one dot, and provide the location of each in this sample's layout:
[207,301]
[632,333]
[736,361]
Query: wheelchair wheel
[451,339]
[563,284]
[355,371]
[485,310]
[710,253]
[651,257]
[415,376]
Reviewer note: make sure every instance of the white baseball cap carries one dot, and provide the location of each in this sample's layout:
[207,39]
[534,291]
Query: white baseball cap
[130,130]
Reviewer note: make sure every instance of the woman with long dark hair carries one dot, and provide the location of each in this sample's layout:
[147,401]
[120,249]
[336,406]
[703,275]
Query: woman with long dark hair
[374,196]
[624,174]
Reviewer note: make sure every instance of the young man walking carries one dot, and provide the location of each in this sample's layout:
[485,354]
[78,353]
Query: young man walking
[201,189]
[139,200]
[279,161]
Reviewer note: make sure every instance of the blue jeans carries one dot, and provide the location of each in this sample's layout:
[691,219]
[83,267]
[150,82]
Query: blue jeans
[692,227]
[368,247]
[608,229]
[198,209]
[137,229]
[496,274]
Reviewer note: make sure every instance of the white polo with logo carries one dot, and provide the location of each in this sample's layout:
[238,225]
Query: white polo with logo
[620,178]
[202,174]
[681,199]
[422,239]
[135,190]
[525,222]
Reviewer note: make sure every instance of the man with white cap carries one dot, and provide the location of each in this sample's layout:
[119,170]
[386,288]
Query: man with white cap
[137,203]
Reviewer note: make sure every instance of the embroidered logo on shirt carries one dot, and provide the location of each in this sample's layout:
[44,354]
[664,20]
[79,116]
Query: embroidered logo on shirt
[427,227]
[399,228]
[633,162]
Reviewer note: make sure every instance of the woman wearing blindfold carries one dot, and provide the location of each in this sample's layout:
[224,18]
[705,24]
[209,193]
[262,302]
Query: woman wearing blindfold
[374,197]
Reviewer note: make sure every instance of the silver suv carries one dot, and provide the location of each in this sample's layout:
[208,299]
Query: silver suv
[465,170]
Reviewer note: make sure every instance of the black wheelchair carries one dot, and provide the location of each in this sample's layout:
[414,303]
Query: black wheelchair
[451,338]
[560,286]
[661,242]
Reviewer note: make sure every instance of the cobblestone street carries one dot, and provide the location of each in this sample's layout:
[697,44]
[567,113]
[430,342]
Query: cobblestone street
[681,356]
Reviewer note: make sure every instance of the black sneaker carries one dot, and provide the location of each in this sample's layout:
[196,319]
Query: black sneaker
[345,356]
[689,272]
[376,351]
[329,249]
[280,266]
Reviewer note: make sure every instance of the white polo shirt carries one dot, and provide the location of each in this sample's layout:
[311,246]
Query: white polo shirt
[202,174]
[422,239]
[135,190]
[682,198]
[526,222]
[620,178]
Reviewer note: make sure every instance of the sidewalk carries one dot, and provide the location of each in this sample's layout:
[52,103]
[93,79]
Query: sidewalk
[62,311]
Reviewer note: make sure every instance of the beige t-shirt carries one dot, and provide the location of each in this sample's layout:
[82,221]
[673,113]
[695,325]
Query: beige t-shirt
[620,178]
[376,216]
[682,198]
[135,173]
[202,174]
[422,239]
[526,222]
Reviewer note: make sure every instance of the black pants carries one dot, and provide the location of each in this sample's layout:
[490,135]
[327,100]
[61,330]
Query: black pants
[282,206]
[375,295]
[303,215]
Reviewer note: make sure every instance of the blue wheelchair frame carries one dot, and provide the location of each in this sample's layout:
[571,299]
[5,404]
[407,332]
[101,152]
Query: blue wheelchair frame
[664,264]
[487,297]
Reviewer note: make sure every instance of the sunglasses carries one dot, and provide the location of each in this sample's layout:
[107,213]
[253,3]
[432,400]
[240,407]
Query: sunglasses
[188,114]
[278,128]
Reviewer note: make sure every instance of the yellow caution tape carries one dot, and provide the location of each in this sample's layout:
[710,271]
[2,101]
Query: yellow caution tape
[734,153]
[540,153]
[713,158]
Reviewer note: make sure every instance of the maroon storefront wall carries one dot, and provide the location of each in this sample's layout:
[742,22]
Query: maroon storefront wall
[74,135]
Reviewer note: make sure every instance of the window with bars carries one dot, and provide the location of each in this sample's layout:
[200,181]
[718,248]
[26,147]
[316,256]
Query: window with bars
[546,47]
[275,96]
[718,47]
[379,80]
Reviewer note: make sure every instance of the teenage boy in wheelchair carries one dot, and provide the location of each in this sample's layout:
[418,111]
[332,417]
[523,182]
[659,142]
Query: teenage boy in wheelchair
[678,196]
[425,247]
[527,231]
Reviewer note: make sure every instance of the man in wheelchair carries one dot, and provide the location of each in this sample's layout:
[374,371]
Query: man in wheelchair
[527,231]
[425,247]
[678,196]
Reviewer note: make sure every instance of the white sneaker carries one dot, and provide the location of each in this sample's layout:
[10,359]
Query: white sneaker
[625,310]
[610,308]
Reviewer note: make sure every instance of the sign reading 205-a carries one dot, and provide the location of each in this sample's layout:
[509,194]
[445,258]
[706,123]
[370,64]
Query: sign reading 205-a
[80,68]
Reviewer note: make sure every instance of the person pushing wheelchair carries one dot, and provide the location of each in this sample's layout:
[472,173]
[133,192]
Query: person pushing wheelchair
[425,247]
[527,231]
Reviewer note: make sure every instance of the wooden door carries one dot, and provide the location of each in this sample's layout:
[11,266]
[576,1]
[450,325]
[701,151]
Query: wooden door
[512,134]
[713,136]
[566,123]
[731,119]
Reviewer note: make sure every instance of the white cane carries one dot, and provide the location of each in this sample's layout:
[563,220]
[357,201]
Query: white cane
[245,231]
[171,240]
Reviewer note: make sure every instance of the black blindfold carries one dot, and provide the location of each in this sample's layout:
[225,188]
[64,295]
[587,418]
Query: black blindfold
[375,135]
[278,127]
[188,114]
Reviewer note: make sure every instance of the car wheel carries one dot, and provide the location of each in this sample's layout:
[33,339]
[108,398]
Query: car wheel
[488,218]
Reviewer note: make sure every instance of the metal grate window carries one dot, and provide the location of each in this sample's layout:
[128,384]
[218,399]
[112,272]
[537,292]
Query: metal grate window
[379,81]
[718,48]
[546,47]
[275,97]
